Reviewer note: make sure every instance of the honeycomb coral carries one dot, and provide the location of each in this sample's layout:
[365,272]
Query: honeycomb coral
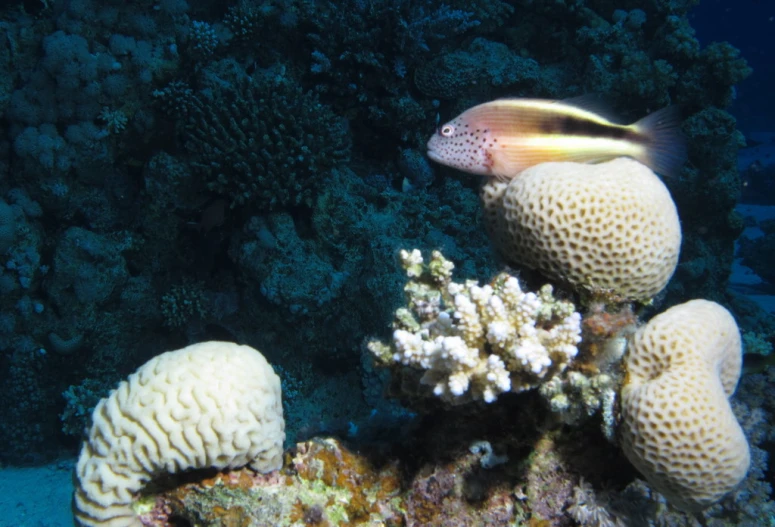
[610,227]
[677,426]
[214,404]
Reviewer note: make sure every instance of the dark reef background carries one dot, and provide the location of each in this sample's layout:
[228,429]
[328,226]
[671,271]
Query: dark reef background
[175,171]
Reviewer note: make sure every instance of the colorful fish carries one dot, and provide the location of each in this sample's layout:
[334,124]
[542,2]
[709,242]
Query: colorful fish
[504,137]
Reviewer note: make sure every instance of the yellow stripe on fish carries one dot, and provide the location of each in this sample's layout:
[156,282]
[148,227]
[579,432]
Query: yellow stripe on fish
[504,137]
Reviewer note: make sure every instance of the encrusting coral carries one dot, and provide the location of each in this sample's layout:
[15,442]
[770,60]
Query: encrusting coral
[475,342]
[325,483]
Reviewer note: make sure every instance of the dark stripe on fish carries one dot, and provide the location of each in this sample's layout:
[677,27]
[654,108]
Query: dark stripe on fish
[571,125]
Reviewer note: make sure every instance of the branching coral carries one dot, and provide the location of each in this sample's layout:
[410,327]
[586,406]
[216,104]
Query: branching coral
[183,303]
[266,143]
[461,72]
[475,342]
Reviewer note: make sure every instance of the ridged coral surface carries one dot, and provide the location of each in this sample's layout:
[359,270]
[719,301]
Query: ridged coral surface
[610,227]
[214,404]
[677,427]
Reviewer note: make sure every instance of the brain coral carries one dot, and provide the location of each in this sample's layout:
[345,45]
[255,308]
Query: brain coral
[677,426]
[610,227]
[214,404]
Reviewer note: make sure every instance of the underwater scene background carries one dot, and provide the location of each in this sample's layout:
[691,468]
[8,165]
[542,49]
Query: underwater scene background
[554,348]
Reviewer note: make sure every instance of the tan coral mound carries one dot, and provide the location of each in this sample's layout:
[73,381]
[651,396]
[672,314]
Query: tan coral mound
[608,228]
[677,426]
[214,404]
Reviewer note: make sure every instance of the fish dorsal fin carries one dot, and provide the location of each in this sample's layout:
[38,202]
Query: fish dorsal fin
[593,102]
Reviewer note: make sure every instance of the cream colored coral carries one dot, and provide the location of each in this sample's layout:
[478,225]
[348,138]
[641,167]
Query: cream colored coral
[609,227]
[677,426]
[214,404]
[477,341]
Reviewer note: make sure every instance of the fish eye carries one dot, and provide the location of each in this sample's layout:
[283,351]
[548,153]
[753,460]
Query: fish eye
[447,130]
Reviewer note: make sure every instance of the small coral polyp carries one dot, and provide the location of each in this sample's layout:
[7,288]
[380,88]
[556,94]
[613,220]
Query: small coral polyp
[475,342]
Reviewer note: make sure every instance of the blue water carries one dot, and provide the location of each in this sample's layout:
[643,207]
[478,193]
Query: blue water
[179,171]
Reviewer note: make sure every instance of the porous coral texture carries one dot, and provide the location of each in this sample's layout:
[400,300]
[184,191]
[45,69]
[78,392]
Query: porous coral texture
[677,427]
[605,228]
[214,404]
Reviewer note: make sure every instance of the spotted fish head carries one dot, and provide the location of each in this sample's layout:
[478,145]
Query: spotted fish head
[464,145]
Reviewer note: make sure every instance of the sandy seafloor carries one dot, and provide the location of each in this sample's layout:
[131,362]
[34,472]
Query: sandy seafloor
[40,496]
[36,497]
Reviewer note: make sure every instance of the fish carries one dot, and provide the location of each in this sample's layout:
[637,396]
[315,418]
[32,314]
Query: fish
[503,137]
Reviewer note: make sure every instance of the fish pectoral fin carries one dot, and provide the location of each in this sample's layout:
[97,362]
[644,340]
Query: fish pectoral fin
[503,178]
[500,165]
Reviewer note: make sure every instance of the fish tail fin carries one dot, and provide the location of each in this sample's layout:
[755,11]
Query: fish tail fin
[665,144]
